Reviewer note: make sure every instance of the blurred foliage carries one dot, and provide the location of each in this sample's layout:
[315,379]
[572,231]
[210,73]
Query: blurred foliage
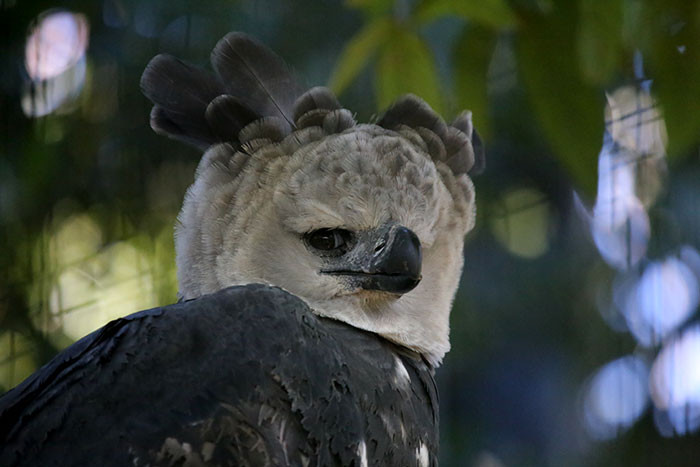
[567,52]
[406,66]
[89,195]
[568,107]
[472,56]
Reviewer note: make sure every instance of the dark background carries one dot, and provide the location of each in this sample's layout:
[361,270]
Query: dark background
[574,332]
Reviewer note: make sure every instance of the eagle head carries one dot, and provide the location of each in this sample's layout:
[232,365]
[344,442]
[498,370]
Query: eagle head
[365,222]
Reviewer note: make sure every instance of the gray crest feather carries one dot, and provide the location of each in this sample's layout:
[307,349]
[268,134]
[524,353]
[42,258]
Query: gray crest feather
[313,117]
[270,128]
[338,121]
[256,75]
[162,124]
[202,108]
[414,112]
[315,98]
[458,145]
[226,115]
[463,122]
[415,138]
[181,94]
[301,138]
[253,96]
[460,156]
[436,147]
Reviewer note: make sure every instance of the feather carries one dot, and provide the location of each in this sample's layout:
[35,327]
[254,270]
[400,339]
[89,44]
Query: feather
[271,128]
[460,156]
[163,124]
[301,138]
[256,76]
[435,146]
[463,122]
[414,112]
[227,116]
[338,121]
[181,94]
[313,117]
[313,99]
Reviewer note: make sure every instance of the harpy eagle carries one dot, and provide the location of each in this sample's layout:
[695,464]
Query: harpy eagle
[317,263]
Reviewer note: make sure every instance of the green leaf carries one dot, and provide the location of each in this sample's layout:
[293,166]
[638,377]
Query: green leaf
[472,57]
[599,39]
[405,66]
[672,59]
[492,13]
[569,110]
[358,51]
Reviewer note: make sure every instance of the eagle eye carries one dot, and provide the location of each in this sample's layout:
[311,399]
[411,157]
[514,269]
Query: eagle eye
[334,241]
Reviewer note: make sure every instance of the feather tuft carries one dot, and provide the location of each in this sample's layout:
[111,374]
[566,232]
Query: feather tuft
[463,122]
[318,98]
[414,112]
[181,94]
[313,117]
[257,76]
[271,128]
[460,156]
[338,121]
[227,116]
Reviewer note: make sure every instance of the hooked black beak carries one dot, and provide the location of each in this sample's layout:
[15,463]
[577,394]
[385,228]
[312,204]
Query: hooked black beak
[394,264]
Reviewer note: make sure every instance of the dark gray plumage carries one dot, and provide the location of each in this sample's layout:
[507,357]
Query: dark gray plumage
[246,376]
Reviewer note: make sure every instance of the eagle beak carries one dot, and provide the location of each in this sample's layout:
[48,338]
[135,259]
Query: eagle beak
[396,264]
[392,263]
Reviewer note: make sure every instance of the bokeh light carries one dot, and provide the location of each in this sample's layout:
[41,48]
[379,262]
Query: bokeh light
[655,297]
[620,223]
[57,42]
[54,61]
[522,225]
[633,151]
[635,122]
[661,299]
[675,381]
[92,283]
[615,397]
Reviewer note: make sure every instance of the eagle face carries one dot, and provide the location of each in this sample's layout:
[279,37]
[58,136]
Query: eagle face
[365,222]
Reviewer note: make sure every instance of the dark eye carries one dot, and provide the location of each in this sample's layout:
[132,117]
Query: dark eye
[330,240]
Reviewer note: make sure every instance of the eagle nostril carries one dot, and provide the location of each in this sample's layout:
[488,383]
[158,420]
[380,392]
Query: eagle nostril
[380,246]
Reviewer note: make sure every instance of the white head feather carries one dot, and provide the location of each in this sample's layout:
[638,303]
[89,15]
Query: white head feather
[244,219]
